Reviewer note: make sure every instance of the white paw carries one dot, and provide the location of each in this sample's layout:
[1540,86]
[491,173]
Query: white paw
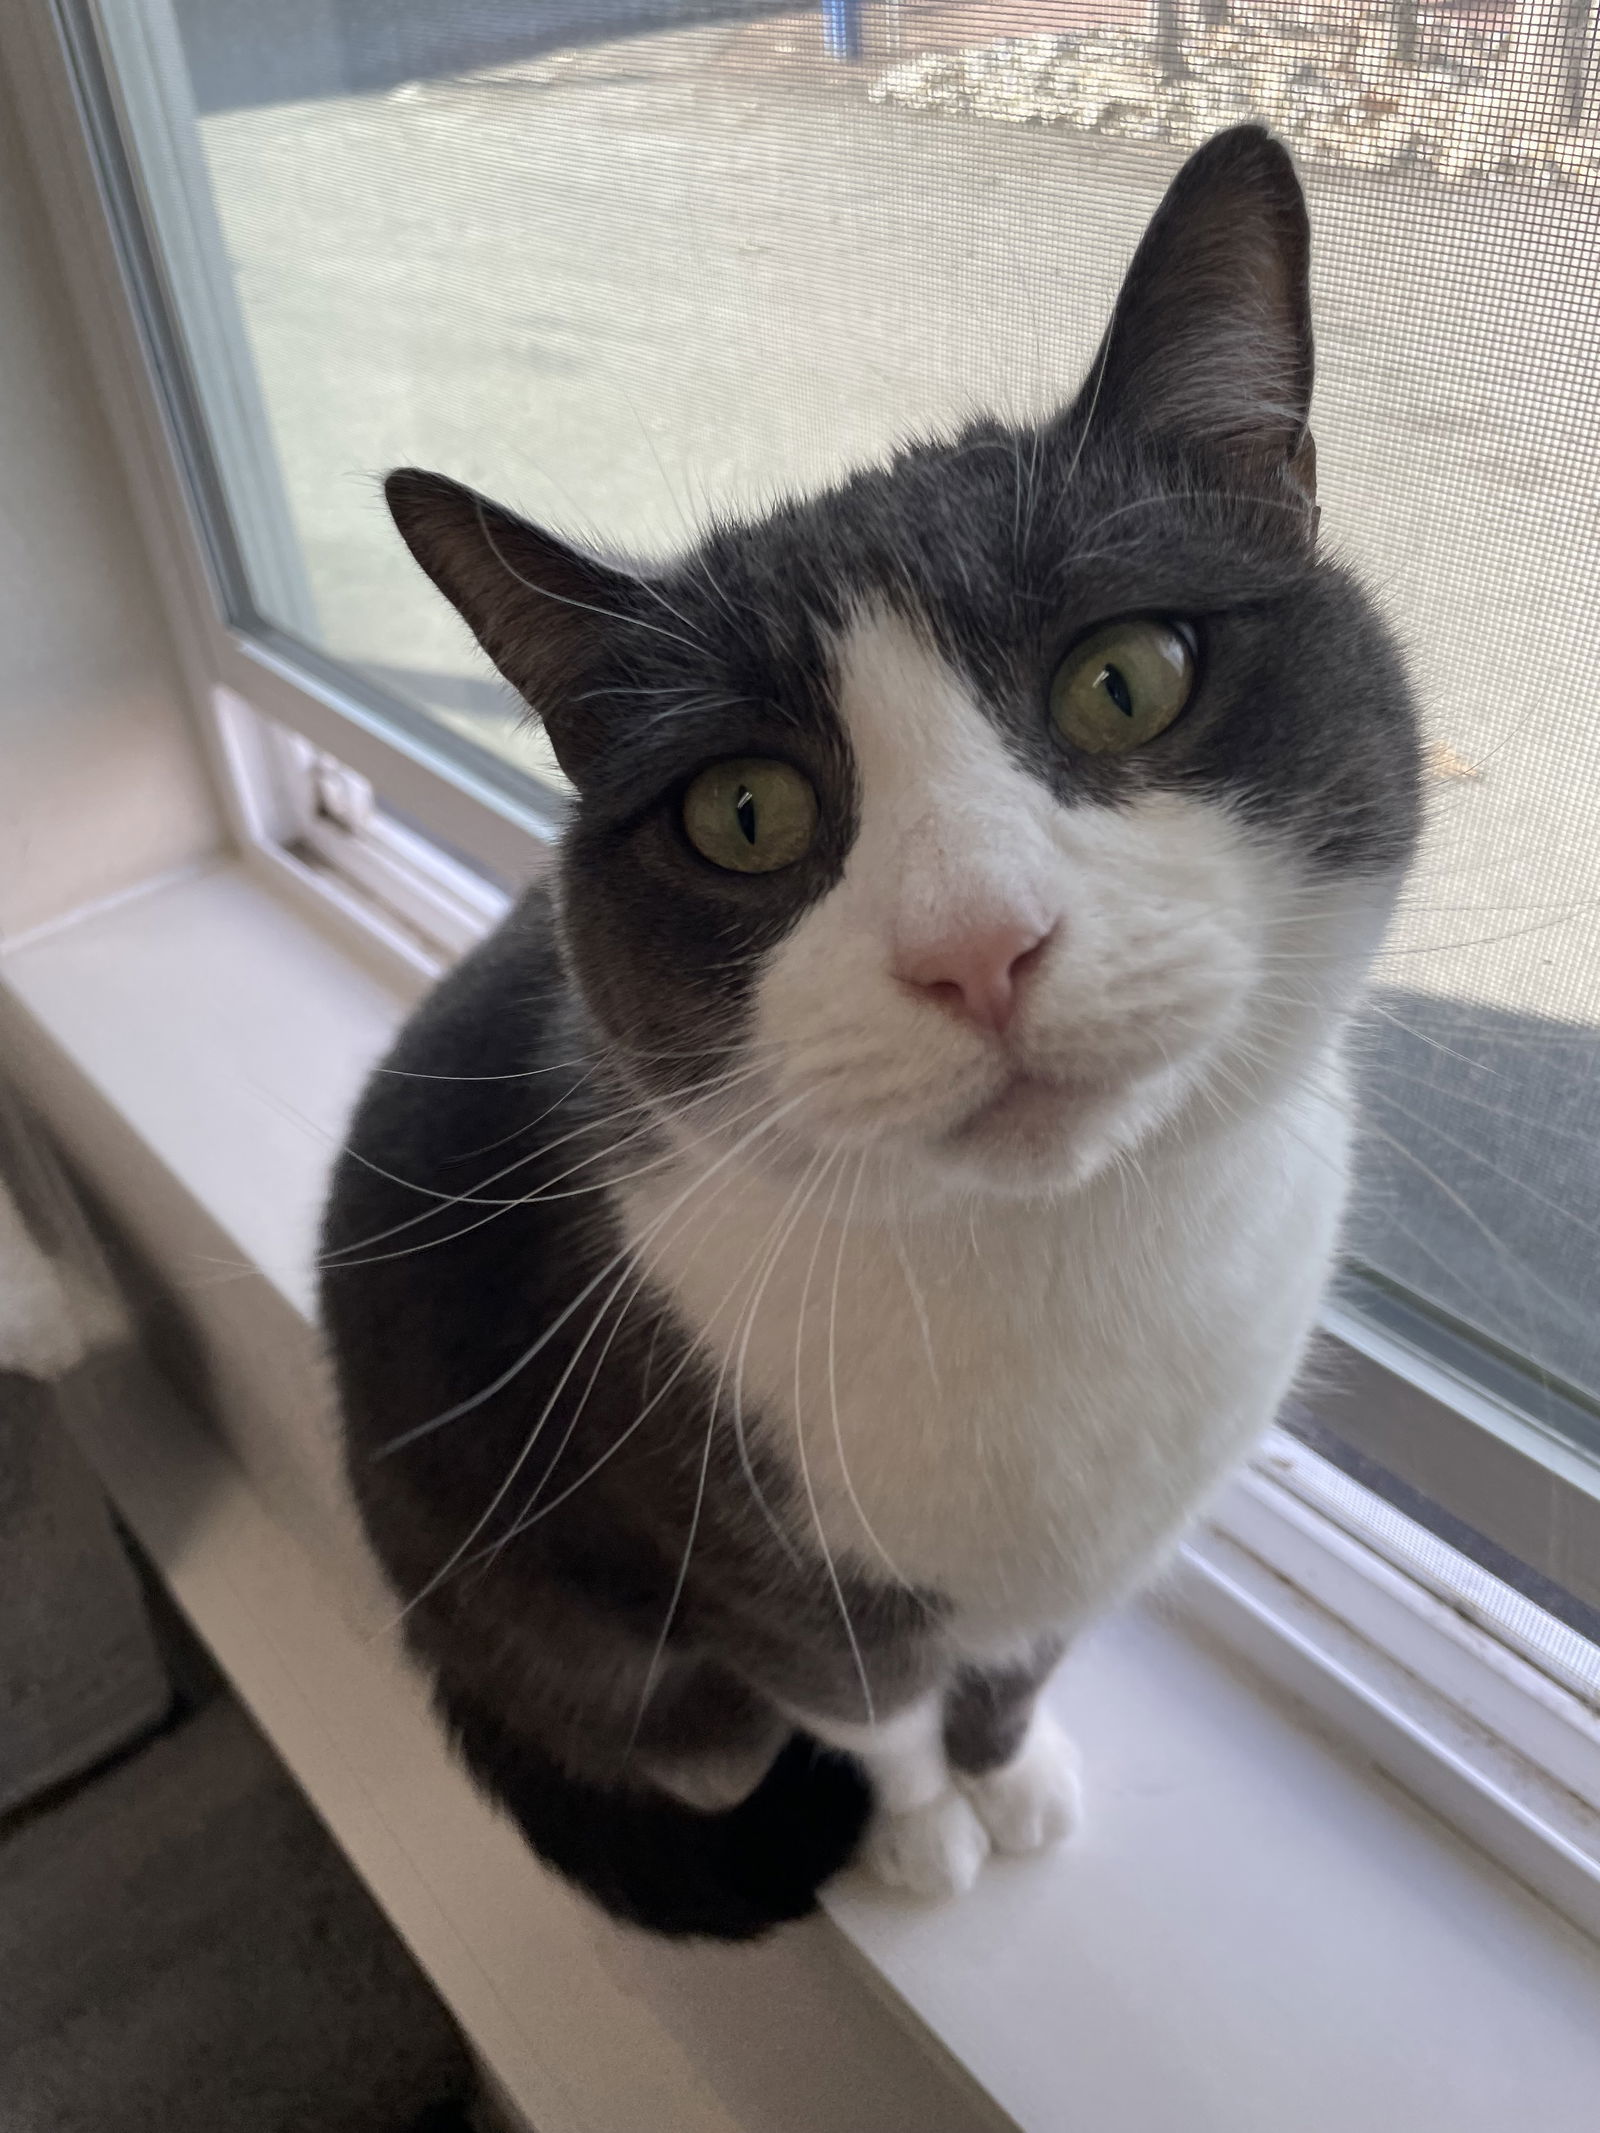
[935,1850]
[1034,1801]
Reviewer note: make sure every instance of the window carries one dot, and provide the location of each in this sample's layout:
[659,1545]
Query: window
[625,264]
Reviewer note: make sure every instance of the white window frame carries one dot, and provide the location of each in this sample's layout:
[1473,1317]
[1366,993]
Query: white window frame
[188,420]
[1293,1522]
[314,825]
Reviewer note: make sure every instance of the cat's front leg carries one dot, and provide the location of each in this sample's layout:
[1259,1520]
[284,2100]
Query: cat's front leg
[1009,1757]
[925,1835]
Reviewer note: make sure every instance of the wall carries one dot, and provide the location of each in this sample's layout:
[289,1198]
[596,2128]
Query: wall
[101,782]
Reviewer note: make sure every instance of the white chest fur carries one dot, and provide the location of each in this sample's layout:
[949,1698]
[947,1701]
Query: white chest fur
[1018,1409]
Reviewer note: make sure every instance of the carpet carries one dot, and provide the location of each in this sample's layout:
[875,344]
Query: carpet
[184,1950]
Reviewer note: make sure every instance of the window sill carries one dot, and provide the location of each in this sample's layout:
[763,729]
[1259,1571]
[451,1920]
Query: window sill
[1256,1931]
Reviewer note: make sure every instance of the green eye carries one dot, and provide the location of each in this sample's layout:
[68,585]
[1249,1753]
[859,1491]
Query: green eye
[751,816]
[1121,686]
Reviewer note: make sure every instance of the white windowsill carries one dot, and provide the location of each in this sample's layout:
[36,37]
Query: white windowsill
[1256,1933]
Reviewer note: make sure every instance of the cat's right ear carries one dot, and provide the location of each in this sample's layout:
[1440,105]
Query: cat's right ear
[1210,342]
[539,608]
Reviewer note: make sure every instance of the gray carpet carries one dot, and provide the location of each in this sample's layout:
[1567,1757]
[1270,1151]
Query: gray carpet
[183,1950]
[80,1674]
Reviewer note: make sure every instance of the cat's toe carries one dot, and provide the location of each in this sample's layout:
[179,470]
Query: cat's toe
[934,1850]
[1035,1800]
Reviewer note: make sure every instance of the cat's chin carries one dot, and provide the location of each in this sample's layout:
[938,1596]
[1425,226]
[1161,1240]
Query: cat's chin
[1041,1133]
[1029,1110]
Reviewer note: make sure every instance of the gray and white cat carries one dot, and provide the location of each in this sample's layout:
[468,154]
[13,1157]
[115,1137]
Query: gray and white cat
[819,1253]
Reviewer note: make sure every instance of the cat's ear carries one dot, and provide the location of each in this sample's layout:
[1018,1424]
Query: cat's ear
[540,608]
[1210,341]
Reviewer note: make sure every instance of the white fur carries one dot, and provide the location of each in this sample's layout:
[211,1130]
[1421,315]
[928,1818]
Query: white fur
[926,1836]
[51,1314]
[1008,1355]
[1035,1800]
[937,1849]
[904,1753]
[1031,1396]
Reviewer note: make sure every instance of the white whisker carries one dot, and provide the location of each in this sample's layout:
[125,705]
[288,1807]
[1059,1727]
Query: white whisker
[805,1464]
[833,1384]
[463,1551]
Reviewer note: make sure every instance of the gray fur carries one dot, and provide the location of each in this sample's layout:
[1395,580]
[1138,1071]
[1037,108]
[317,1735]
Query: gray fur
[987,1709]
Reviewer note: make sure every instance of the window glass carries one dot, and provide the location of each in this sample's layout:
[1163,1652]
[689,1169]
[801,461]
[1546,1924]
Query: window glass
[624,262]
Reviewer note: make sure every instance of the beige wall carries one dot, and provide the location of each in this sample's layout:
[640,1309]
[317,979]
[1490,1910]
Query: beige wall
[101,781]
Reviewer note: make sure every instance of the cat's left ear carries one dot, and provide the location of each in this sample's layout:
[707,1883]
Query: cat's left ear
[543,610]
[1210,341]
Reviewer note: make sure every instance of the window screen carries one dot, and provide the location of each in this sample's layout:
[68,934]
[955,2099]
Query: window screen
[624,262]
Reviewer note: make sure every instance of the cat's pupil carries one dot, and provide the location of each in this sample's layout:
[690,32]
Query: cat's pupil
[1110,679]
[744,807]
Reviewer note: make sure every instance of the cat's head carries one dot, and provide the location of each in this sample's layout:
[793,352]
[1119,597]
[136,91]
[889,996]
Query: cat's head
[1005,804]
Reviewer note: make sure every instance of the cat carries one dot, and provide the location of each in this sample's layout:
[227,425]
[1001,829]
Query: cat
[822,1249]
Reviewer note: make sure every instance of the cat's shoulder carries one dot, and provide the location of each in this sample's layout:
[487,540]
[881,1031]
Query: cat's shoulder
[500,999]
[493,1042]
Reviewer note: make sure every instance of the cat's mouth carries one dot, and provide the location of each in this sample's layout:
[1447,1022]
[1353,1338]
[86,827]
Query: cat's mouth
[1026,1108]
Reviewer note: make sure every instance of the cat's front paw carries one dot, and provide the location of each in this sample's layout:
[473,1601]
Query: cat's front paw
[1035,1800]
[934,1850]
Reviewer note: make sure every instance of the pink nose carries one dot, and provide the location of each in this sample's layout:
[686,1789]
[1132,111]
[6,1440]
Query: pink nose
[978,973]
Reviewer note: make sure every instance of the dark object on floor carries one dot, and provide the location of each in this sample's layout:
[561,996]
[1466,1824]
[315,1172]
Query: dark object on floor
[183,1950]
[80,1677]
